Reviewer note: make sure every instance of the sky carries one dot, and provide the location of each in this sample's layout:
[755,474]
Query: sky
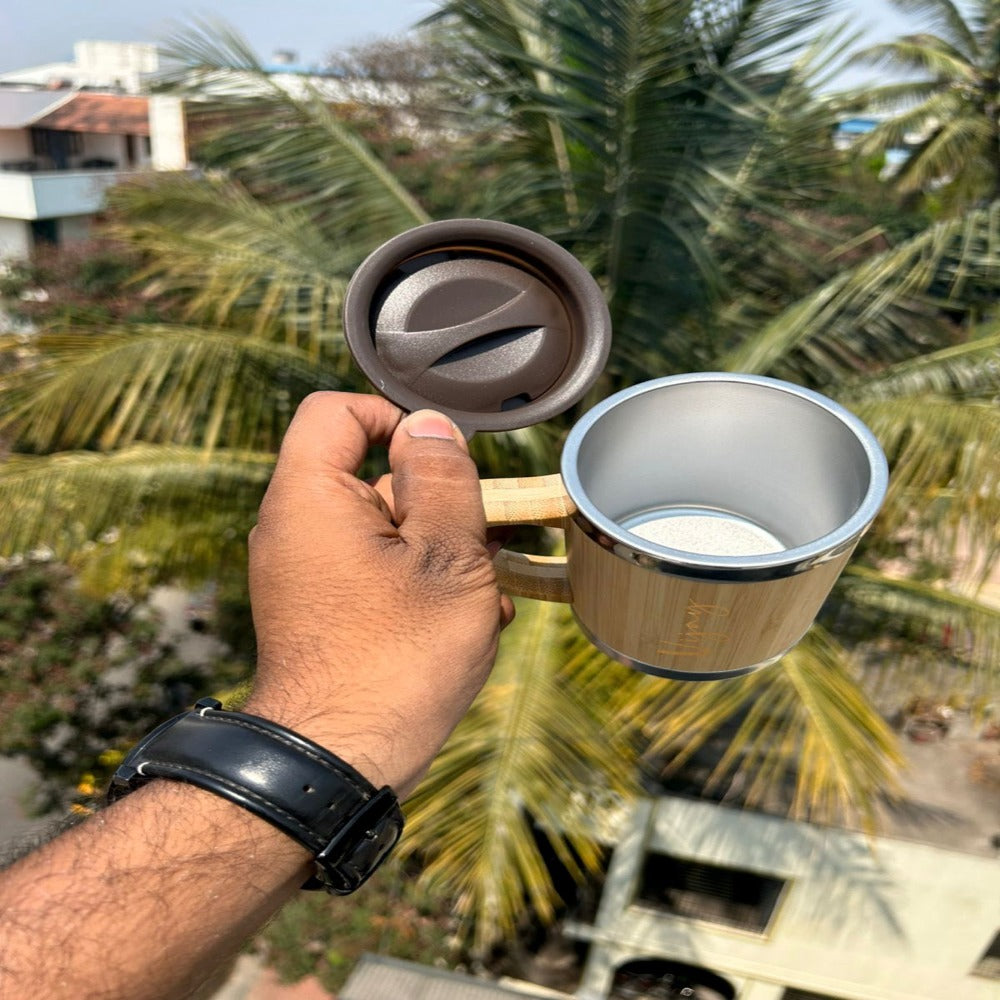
[34,33]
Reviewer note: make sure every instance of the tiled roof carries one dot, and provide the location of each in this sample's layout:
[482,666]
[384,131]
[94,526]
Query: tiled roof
[109,114]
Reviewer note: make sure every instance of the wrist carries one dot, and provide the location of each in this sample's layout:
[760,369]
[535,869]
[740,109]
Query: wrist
[339,732]
[280,775]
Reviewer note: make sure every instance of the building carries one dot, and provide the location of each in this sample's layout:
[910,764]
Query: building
[737,905]
[379,978]
[122,67]
[60,150]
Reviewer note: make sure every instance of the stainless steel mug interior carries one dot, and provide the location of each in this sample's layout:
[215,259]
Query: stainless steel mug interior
[725,476]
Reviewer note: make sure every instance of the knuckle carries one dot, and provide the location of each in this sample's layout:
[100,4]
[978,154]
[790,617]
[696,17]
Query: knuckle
[446,464]
[451,562]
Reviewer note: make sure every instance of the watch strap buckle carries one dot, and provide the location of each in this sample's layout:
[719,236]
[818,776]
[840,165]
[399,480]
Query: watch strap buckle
[360,846]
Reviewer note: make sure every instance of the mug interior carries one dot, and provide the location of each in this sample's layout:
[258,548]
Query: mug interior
[755,465]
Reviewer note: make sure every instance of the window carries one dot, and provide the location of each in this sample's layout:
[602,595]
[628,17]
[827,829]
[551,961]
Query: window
[57,145]
[727,896]
[45,231]
[989,964]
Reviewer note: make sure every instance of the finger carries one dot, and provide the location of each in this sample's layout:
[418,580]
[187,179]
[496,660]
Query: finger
[332,431]
[435,486]
[383,487]
[507,611]
[323,448]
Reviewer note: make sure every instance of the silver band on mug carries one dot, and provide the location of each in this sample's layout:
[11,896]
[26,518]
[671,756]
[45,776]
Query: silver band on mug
[785,461]
[674,675]
[718,574]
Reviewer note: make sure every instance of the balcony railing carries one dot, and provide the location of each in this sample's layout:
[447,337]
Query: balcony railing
[48,194]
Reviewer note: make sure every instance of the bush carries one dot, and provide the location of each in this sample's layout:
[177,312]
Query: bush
[82,678]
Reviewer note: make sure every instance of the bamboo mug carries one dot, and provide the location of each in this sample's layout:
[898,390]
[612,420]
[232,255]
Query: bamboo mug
[707,518]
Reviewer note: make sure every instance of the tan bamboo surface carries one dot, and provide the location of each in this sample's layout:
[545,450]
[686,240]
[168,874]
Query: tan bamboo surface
[656,618]
[540,500]
[542,578]
[695,626]
[530,500]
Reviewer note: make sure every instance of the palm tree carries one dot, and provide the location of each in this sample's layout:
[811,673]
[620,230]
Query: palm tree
[655,139]
[951,111]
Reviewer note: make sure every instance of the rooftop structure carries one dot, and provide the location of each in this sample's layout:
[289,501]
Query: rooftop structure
[377,977]
[60,150]
[743,905]
[125,67]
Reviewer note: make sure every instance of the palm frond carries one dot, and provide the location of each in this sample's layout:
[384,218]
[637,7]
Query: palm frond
[232,259]
[290,147]
[762,37]
[944,18]
[152,383]
[946,255]
[959,140]
[64,502]
[954,637]
[807,738]
[922,53]
[900,97]
[921,118]
[969,369]
[512,772]
[944,484]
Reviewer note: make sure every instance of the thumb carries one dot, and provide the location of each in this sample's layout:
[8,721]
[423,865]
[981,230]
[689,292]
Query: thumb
[435,485]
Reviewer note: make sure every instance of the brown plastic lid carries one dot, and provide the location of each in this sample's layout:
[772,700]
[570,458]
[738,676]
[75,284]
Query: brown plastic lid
[490,323]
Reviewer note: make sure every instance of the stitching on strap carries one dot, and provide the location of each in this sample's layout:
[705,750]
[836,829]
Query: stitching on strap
[179,769]
[311,754]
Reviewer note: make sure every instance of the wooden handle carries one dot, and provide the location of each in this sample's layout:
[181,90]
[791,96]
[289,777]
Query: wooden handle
[542,578]
[534,500]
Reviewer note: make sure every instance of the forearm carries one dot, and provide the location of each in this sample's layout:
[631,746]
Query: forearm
[377,618]
[144,900]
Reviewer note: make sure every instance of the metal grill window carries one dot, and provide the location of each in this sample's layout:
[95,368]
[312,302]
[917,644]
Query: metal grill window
[728,896]
[793,994]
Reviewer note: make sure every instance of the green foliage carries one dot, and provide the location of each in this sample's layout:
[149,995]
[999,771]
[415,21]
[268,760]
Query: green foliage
[82,678]
[518,763]
[317,935]
[947,108]
[85,282]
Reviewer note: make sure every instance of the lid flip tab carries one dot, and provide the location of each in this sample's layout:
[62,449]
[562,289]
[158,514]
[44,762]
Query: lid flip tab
[492,324]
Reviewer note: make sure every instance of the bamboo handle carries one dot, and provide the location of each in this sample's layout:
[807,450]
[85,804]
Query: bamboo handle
[542,578]
[536,500]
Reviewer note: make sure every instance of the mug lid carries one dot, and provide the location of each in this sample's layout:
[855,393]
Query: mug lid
[490,323]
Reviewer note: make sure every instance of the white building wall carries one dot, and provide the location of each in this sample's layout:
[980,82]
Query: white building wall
[15,239]
[886,920]
[105,147]
[121,64]
[17,195]
[15,144]
[167,133]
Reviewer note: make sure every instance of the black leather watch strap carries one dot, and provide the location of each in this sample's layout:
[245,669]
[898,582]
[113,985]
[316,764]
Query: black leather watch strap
[286,779]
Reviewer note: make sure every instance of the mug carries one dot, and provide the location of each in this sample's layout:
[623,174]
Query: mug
[707,518]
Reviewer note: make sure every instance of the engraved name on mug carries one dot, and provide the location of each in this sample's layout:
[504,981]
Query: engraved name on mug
[701,631]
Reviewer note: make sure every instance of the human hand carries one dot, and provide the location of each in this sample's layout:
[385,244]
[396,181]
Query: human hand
[376,607]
